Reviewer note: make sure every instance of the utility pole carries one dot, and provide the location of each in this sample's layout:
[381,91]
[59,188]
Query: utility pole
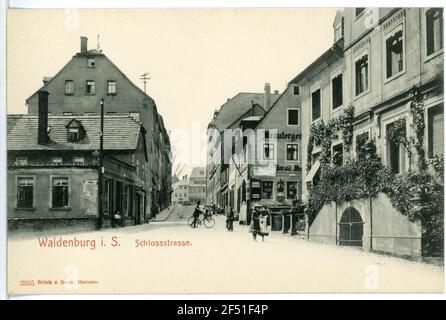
[145,77]
[101,169]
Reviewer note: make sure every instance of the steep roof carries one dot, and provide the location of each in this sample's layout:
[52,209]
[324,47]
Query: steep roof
[120,132]
[196,173]
[235,107]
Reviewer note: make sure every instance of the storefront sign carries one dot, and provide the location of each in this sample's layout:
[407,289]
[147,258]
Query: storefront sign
[285,136]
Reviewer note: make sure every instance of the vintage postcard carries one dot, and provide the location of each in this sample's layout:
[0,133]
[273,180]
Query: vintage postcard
[230,150]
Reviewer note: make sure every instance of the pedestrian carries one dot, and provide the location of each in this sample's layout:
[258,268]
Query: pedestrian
[263,222]
[196,214]
[116,219]
[230,220]
[255,222]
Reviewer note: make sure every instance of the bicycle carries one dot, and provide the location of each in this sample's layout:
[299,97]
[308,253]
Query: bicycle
[208,220]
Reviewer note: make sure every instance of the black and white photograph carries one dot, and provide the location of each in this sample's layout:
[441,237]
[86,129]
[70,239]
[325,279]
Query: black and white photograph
[224,150]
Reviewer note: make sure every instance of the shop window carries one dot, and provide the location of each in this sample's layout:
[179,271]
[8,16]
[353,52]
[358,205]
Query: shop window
[267,189]
[60,193]
[25,193]
[291,189]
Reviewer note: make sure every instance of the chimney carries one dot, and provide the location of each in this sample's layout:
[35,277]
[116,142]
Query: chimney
[276,91]
[84,41]
[267,98]
[42,124]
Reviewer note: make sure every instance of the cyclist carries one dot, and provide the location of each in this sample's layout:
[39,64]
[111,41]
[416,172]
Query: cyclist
[196,214]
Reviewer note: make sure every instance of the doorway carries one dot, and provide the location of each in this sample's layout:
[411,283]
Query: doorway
[351,228]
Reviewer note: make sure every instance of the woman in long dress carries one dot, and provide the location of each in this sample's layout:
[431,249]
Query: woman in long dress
[255,223]
[263,222]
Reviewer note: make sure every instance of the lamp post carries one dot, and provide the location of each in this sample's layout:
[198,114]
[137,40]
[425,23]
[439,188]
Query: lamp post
[101,169]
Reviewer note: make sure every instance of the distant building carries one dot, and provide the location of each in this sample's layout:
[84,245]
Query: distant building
[53,170]
[197,185]
[78,89]
[229,116]
[181,192]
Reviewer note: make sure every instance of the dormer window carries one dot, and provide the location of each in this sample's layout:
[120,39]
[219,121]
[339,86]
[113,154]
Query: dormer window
[75,131]
[91,63]
[73,134]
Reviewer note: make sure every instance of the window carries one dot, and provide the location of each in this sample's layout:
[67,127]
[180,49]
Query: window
[57,161]
[358,11]
[25,193]
[292,152]
[268,151]
[362,74]
[78,161]
[336,91]
[267,189]
[60,193]
[91,63]
[73,134]
[338,155]
[361,140]
[111,87]
[296,90]
[394,54]
[316,104]
[434,30]
[21,161]
[339,31]
[69,87]
[90,88]
[395,150]
[293,117]
[435,131]
[291,189]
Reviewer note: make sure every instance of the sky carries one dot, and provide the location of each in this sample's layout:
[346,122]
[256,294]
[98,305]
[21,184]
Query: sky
[197,58]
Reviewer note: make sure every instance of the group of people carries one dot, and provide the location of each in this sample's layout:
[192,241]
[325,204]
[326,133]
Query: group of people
[259,222]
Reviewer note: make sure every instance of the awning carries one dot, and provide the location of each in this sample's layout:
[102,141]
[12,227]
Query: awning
[314,169]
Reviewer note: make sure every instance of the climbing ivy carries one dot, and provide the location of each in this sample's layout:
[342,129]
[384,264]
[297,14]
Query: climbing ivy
[417,194]
[322,134]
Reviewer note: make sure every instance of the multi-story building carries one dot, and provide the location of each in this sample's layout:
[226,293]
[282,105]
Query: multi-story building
[53,169]
[219,145]
[181,192]
[91,76]
[197,185]
[379,58]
